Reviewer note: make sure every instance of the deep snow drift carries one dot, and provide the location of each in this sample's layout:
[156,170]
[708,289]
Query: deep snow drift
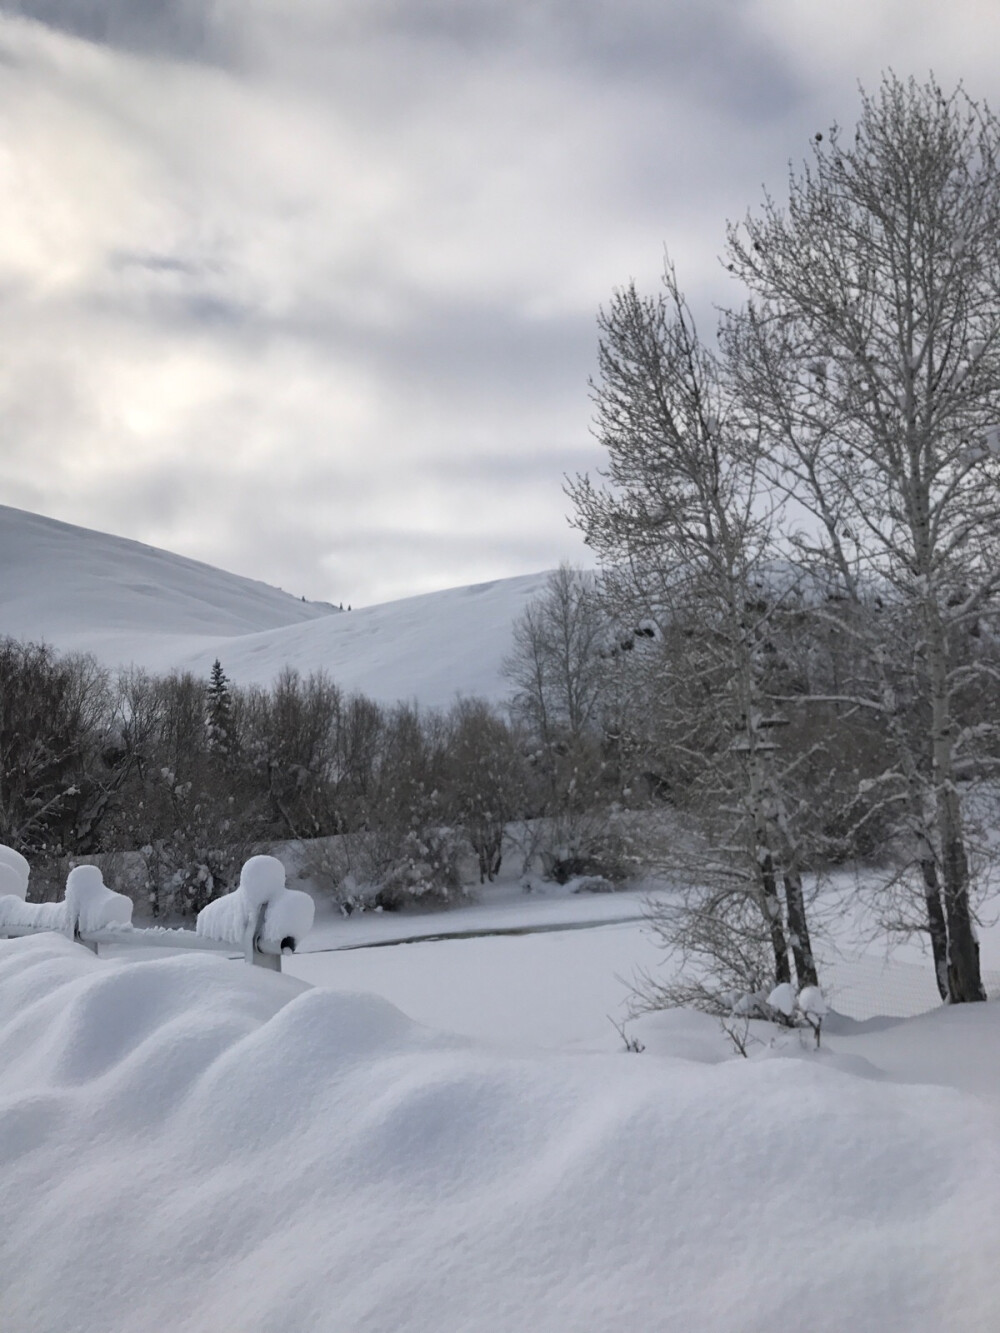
[192,1144]
[128,603]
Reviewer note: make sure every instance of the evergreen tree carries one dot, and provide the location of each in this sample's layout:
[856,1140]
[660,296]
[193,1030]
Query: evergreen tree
[219,712]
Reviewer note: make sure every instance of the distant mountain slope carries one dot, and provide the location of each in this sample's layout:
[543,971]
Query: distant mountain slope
[128,603]
[430,648]
[59,581]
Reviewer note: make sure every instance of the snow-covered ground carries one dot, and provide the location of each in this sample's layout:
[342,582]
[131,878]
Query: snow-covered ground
[128,603]
[449,1135]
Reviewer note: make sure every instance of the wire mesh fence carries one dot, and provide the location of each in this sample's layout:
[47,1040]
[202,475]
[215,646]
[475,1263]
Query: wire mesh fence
[863,987]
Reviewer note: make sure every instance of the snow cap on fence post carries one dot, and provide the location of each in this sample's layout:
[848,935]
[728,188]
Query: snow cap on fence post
[14,871]
[261,915]
[261,880]
[91,905]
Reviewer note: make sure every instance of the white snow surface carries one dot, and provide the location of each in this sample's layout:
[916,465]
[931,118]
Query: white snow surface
[128,603]
[15,912]
[86,590]
[289,912]
[192,1144]
[289,917]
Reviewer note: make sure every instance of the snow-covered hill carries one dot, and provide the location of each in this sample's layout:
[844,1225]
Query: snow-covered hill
[128,603]
[71,586]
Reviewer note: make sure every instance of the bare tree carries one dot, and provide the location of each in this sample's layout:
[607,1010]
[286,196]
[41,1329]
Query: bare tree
[870,355]
[561,669]
[555,668]
[294,731]
[682,526]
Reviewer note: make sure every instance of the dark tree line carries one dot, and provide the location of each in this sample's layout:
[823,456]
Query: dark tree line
[187,776]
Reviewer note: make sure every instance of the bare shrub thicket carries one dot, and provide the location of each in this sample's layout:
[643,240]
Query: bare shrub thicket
[58,768]
[565,701]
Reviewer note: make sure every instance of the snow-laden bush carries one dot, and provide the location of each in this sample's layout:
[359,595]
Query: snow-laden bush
[389,870]
[184,871]
[806,1009]
[588,843]
[427,871]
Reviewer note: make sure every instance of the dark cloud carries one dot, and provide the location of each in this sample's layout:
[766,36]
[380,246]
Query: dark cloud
[152,262]
[711,43]
[184,29]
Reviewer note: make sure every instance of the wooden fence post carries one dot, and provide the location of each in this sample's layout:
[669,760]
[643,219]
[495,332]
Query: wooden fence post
[252,952]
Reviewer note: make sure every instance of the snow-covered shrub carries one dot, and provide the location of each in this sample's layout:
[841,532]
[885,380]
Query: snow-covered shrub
[426,872]
[592,842]
[781,1003]
[593,884]
[338,869]
[183,872]
[805,1009]
[375,870]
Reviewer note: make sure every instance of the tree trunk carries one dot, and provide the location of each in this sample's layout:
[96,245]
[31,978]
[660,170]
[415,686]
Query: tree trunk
[965,982]
[798,931]
[772,916]
[936,925]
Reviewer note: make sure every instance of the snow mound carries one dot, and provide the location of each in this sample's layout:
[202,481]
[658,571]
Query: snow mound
[782,999]
[195,1145]
[16,913]
[14,872]
[91,905]
[262,879]
[812,1002]
[288,913]
[88,905]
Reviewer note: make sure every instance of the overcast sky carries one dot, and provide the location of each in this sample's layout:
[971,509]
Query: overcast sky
[307,288]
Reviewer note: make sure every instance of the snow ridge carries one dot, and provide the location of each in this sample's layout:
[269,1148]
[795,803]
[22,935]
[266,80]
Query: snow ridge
[194,1145]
